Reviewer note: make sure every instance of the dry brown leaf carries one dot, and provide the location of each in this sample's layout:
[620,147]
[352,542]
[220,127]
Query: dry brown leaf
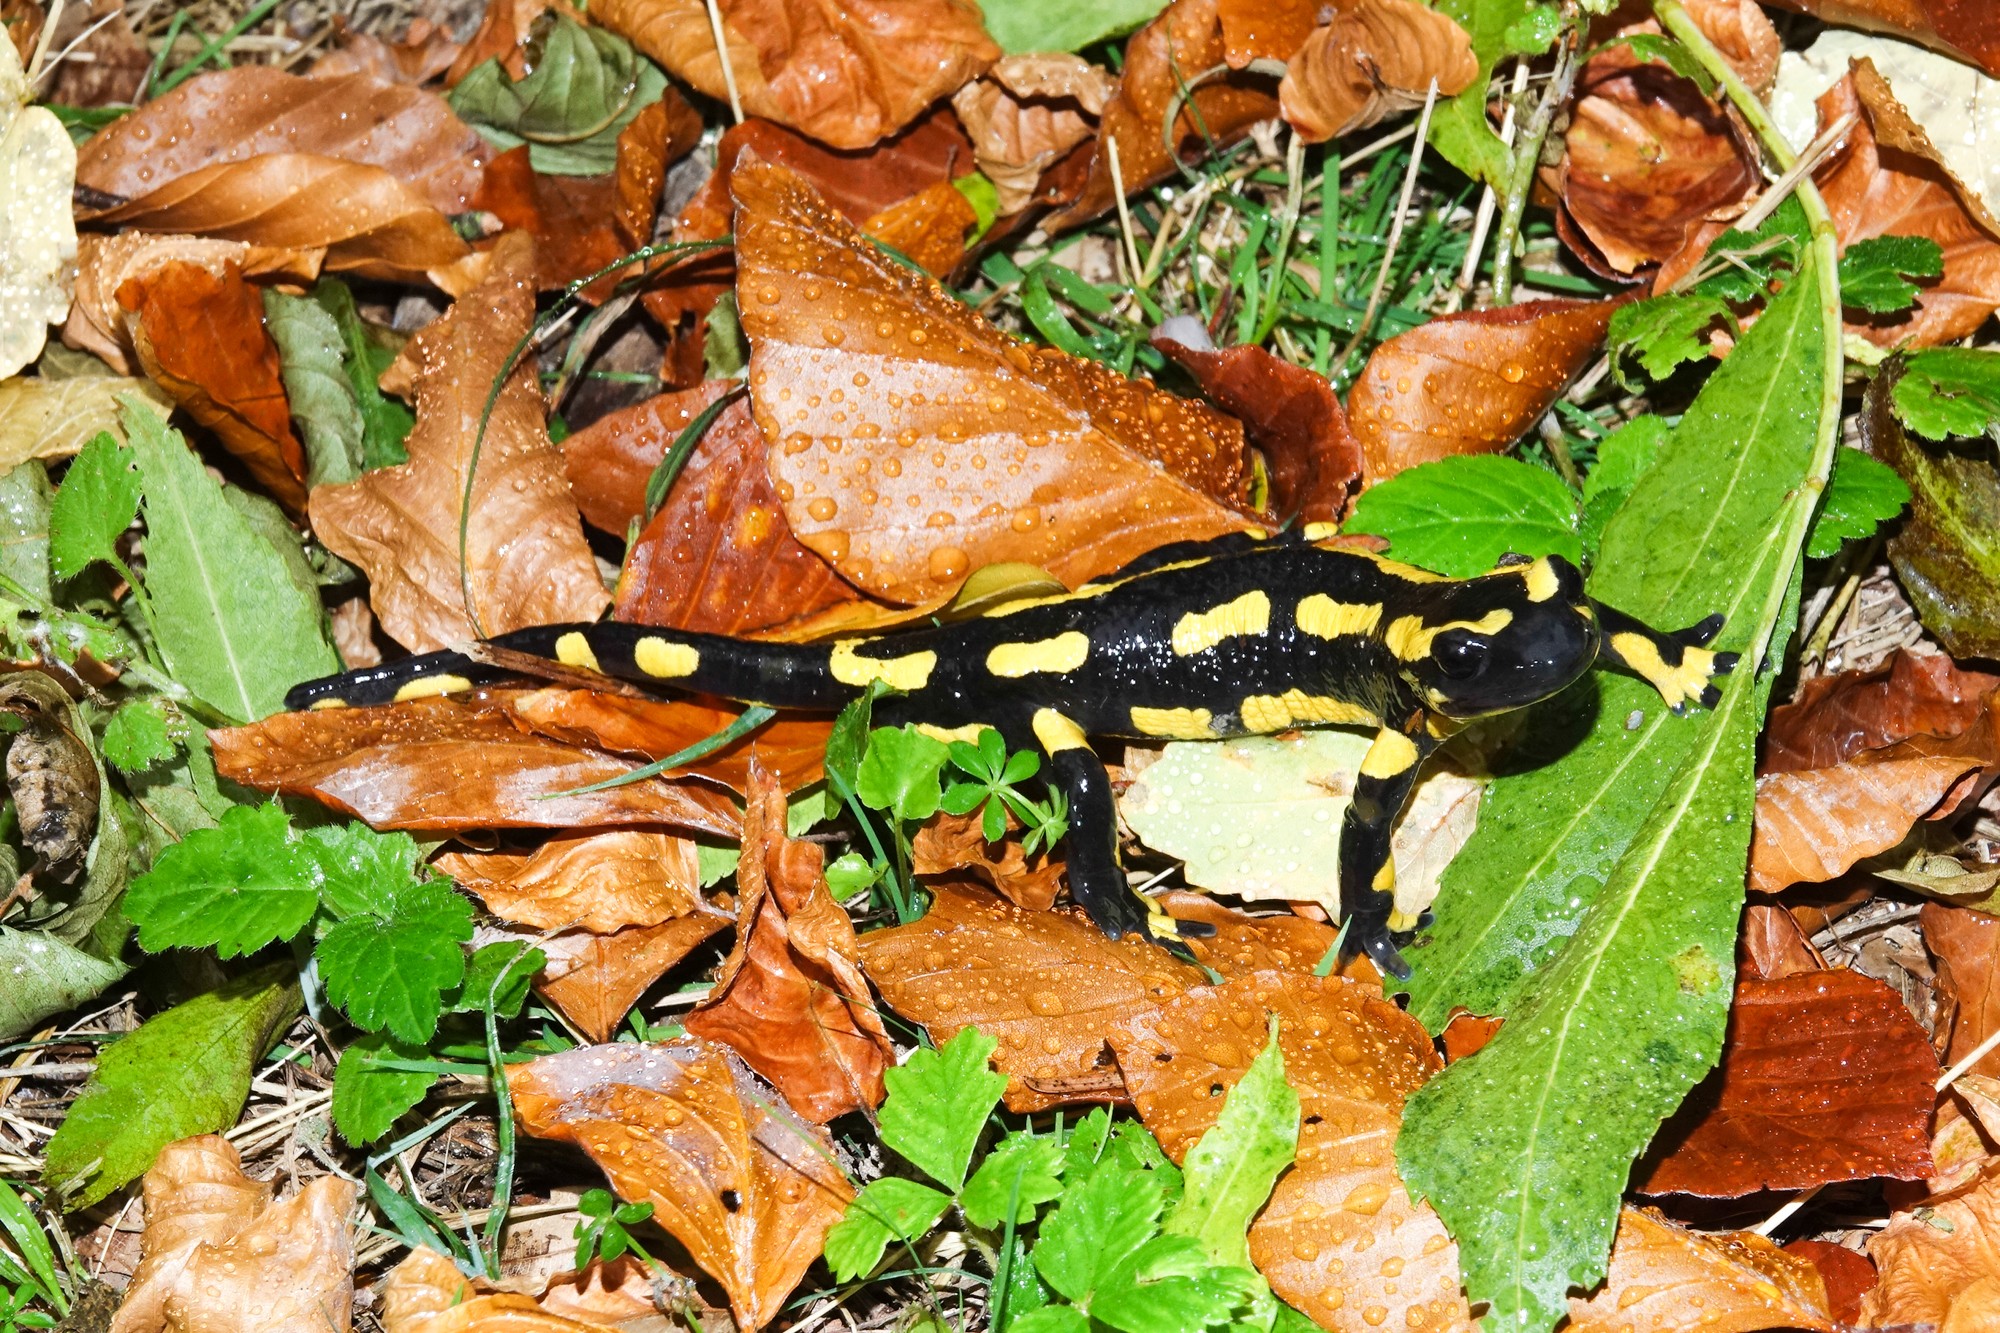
[423,52]
[1745,36]
[596,979]
[1469,383]
[1376,58]
[1824,1077]
[1045,985]
[528,561]
[218,1256]
[1940,1264]
[950,843]
[748,1189]
[237,114]
[1668,1280]
[929,228]
[790,998]
[1026,113]
[599,881]
[946,443]
[427,1294]
[97,324]
[848,73]
[1962,28]
[45,418]
[200,336]
[1966,945]
[1836,717]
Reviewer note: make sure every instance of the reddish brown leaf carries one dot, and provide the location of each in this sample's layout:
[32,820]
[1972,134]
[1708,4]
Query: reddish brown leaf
[747,1188]
[1940,1264]
[1026,114]
[1376,58]
[1294,418]
[601,882]
[1745,35]
[1966,944]
[1243,944]
[1963,28]
[596,979]
[422,53]
[947,443]
[950,843]
[1469,383]
[1046,985]
[1772,944]
[528,562]
[1824,1077]
[790,998]
[99,325]
[200,336]
[1674,1281]
[453,764]
[1848,1275]
[790,745]
[426,1293]
[1466,1034]
[929,228]
[1836,717]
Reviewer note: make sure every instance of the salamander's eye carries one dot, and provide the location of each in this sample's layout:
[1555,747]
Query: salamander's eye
[1459,655]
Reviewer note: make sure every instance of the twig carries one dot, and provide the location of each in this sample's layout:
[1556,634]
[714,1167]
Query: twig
[1395,233]
[1131,250]
[1482,221]
[1528,155]
[722,54]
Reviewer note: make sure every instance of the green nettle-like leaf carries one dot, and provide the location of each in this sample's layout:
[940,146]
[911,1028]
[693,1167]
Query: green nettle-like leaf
[1946,391]
[138,735]
[1665,332]
[45,976]
[1460,129]
[1056,25]
[886,1210]
[234,888]
[1458,516]
[25,501]
[1623,457]
[312,364]
[1100,1223]
[233,626]
[900,772]
[585,85]
[391,970]
[98,501]
[360,870]
[1875,273]
[186,1071]
[368,1098]
[385,422]
[938,1103]
[1023,1167]
[1230,1171]
[1596,907]
[1170,1286]
[1861,496]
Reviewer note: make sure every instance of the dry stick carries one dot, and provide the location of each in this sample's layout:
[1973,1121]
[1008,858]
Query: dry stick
[34,70]
[1528,155]
[722,54]
[1395,234]
[1858,566]
[1482,221]
[1130,254]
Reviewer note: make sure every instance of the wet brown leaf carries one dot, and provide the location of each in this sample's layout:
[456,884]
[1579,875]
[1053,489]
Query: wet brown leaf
[600,882]
[929,228]
[200,336]
[1026,113]
[1045,459]
[1940,1264]
[504,28]
[218,1256]
[596,979]
[1813,825]
[427,1294]
[1824,1077]
[1847,1274]
[1675,1281]
[1966,945]
[423,52]
[848,74]
[1962,28]
[1466,1034]
[949,843]
[749,1190]
[790,998]
[1243,944]
[1376,58]
[1046,985]
[1836,717]
[528,562]
[1469,383]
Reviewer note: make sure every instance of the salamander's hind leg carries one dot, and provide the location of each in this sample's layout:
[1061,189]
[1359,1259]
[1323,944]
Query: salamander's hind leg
[1367,871]
[1676,664]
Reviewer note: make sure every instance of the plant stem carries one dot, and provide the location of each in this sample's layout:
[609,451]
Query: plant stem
[1528,154]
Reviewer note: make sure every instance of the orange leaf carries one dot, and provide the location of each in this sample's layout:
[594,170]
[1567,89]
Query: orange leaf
[528,562]
[948,843]
[1243,944]
[790,998]
[929,228]
[1469,383]
[1813,825]
[1962,28]
[599,881]
[1466,1034]
[1043,458]
[424,51]
[1940,1264]
[200,336]
[749,1190]
[847,72]
[504,28]
[1836,717]
[1046,985]
[596,979]
[1668,1280]
[427,1294]
[1376,58]
[1026,114]
[1848,1275]
[1966,944]
[1824,1077]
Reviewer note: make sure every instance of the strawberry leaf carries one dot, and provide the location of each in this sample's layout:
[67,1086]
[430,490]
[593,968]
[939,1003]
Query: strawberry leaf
[234,888]
[389,970]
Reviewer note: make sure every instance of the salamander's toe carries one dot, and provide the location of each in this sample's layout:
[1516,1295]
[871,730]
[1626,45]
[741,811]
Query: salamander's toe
[1382,952]
[1699,634]
[1194,930]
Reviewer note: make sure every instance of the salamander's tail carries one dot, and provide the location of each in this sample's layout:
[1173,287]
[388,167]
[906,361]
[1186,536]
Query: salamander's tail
[818,676]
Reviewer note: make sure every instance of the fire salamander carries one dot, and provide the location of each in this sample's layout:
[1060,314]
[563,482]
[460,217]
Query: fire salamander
[1197,641]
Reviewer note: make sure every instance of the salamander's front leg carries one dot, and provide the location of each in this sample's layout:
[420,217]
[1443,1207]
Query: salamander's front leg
[1676,664]
[1367,871]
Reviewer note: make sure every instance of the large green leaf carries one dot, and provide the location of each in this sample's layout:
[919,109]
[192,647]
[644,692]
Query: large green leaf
[186,1071]
[233,625]
[1230,1171]
[1063,25]
[1458,516]
[1632,844]
[45,976]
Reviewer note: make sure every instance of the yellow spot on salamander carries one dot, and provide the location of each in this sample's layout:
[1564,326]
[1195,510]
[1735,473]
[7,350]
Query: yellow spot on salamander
[1319,532]
[1295,708]
[1056,732]
[321,705]
[428,687]
[1065,652]
[912,671]
[1399,920]
[1385,878]
[1199,631]
[573,650]
[1391,754]
[1410,638]
[656,657]
[1175,724]
[1676,684]
[1321,616]
[1541,580]
[969,733]
[1410,573]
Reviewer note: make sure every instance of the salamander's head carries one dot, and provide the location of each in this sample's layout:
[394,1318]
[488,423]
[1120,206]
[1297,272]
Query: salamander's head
[1504,640]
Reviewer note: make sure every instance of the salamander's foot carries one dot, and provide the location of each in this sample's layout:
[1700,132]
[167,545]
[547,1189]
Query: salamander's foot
[1368,933]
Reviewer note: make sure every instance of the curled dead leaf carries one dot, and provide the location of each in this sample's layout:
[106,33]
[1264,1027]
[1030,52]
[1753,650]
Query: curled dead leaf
[950,843]
[599,881]
[1937,1263]
[51,773]
[1026,113]
[1664,1277]
[1961,28]
[427,1294]
[1837,717]
[1966,945]
[1745,36]
[745,1186]
[1774,945]
[596,979]
[1376,58]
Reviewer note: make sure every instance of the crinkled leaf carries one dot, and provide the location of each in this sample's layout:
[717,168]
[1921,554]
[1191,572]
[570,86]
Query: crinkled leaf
[391,970]
[1861,496]
[1875,272]
[1948,391]
[1100,1223]
[369,1098]
[45,976]
[138,735]
[899,773]
[98,500]
[584,85]
[1024,1168]
[888,1209]
[1458,516]
[938,1104]
[236,887]
[1665,332]
[1229,1173]
[311,354]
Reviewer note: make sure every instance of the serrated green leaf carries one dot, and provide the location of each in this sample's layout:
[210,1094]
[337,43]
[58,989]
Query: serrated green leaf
[1861,496]
[385,423]
[714,864]
[1524,1149]
[938,1103]
[1023,1167]
[138,735]
[1946,391]
[887,1209]
[1458,516]
[1663,333]
[1875,272]
[312,356]
[98,501]
[368,1099]
[1460,130]
[584,85]
[1742,265]
[232,625]
[45,976]
[26,499]
[186,1071]
[900,772]
[390,971]
[499,977]
[359,870]
[1058,25]
[236,887]
[1100,1223]
[1230,1170]
[1170,1286]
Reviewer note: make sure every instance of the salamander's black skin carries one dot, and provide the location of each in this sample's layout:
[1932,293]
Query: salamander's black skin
[1196,642]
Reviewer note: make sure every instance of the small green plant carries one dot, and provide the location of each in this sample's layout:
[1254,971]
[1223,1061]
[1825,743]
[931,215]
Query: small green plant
[29,1273]
[602,1234]
[994,776]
